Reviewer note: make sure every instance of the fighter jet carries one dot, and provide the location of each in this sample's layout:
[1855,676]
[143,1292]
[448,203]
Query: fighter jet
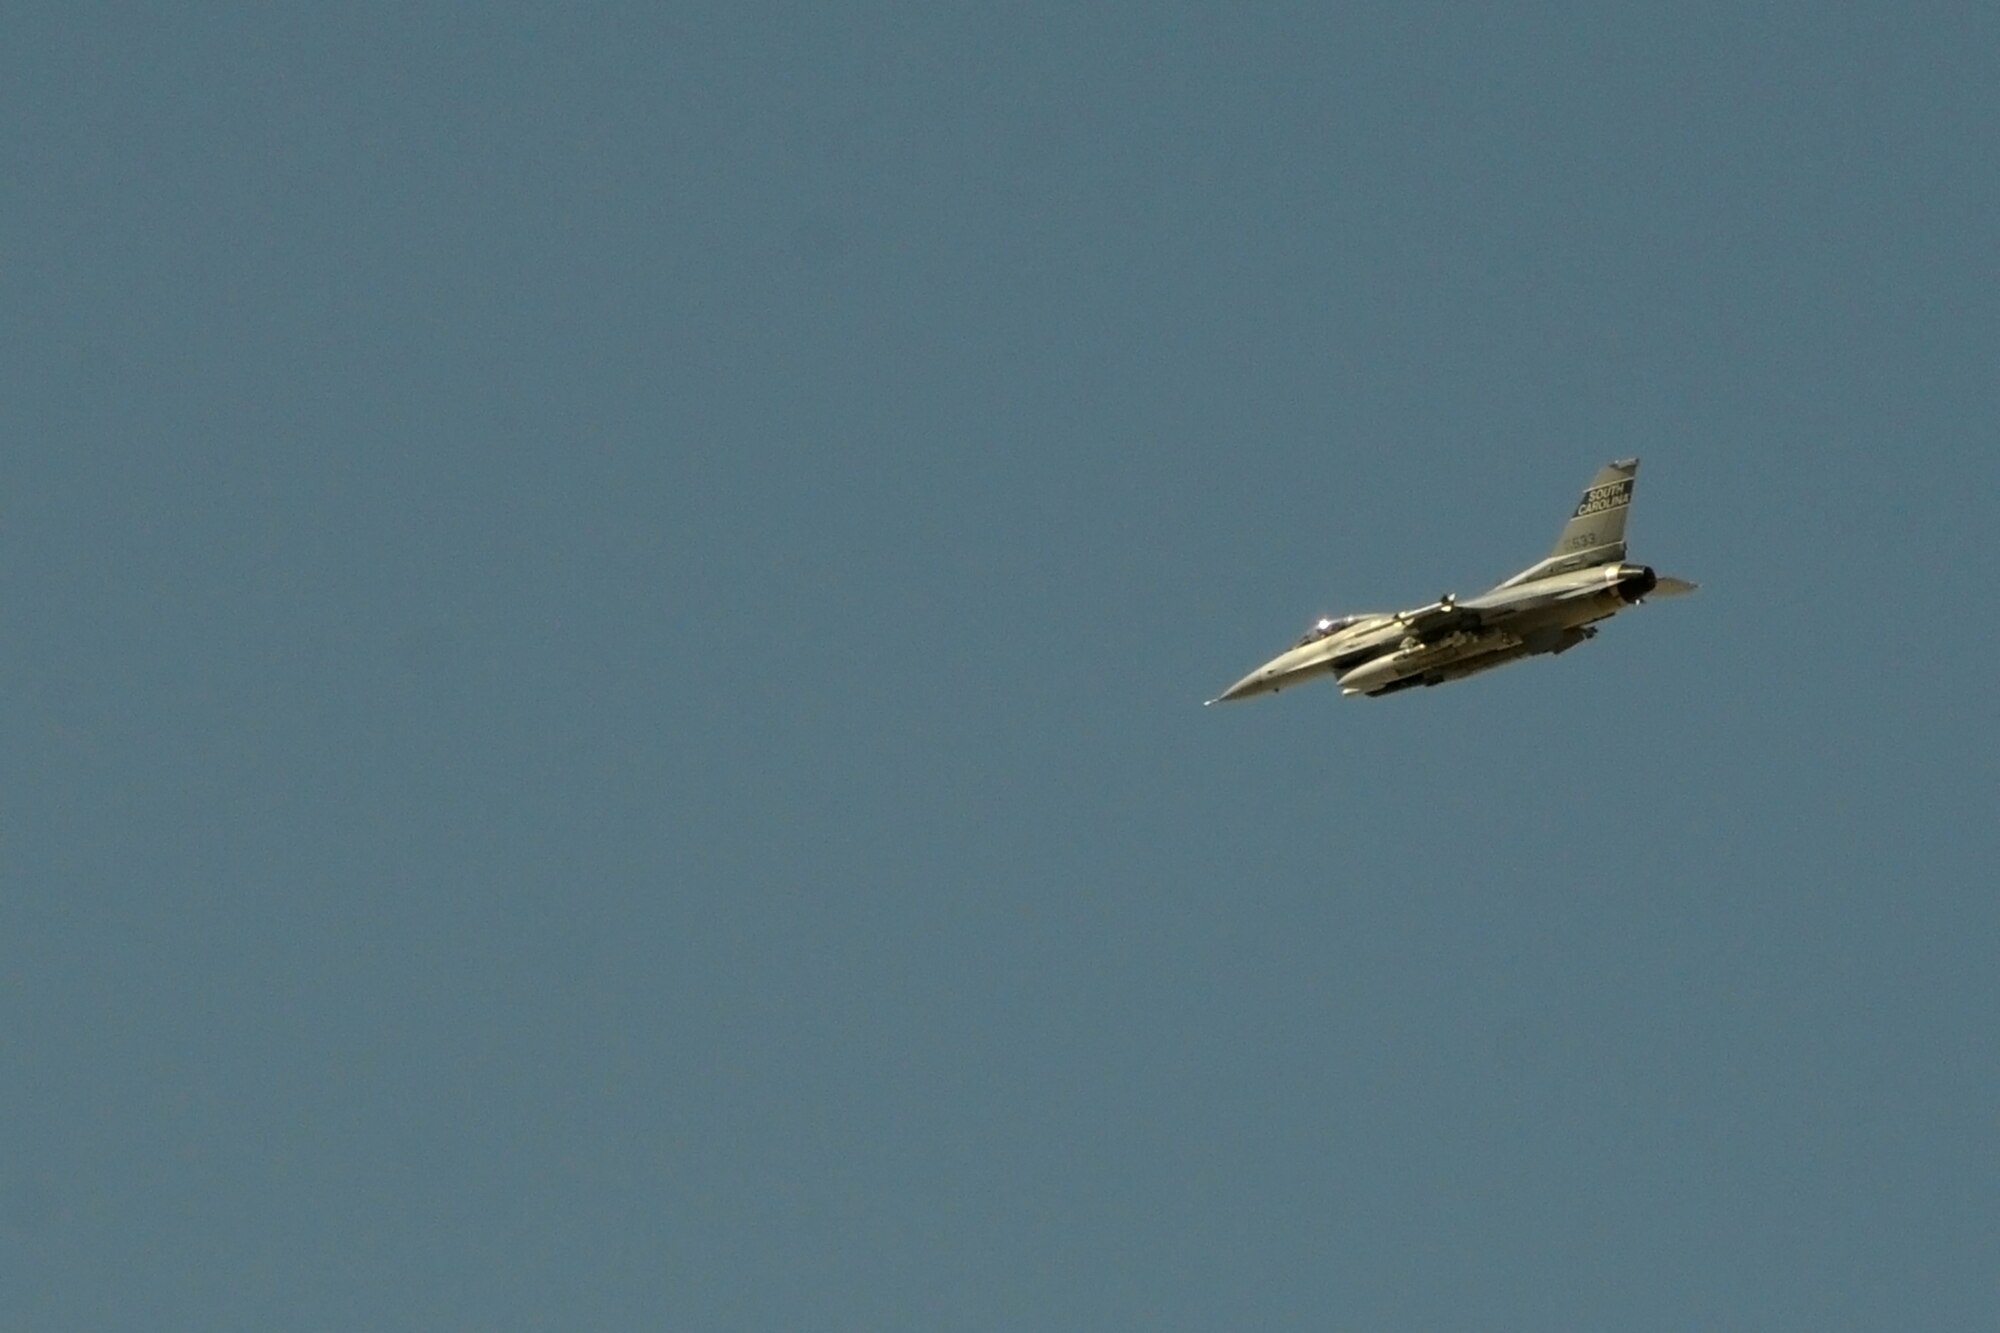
[1549,607]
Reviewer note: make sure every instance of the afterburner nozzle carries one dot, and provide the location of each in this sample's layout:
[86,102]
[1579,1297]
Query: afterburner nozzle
[1635,581]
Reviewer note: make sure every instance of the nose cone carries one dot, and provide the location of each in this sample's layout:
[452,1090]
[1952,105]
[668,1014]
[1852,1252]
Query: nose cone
[1291,668]
[1261,681]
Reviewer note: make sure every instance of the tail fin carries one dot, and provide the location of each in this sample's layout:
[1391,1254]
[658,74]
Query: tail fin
[1597,529]
[1595,533]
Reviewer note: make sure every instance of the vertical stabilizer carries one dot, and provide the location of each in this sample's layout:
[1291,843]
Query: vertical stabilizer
[1595,533]
[1597,529]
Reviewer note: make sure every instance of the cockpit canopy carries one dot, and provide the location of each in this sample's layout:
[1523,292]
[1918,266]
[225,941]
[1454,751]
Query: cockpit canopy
[1326,625]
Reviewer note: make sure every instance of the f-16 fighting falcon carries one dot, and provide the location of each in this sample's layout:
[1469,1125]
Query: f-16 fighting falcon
[1549,607]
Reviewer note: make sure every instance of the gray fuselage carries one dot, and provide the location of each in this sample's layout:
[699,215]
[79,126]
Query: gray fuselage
[1449,640]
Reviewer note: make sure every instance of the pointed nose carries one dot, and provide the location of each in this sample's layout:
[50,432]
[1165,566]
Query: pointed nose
[1295,666]
[1261,681]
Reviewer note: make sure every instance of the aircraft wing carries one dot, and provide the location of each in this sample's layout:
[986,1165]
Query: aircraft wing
[1448,615]
[1633,583]
[1440,617]
[1504,602]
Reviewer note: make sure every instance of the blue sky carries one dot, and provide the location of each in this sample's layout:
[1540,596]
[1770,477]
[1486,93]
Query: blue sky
[606,613]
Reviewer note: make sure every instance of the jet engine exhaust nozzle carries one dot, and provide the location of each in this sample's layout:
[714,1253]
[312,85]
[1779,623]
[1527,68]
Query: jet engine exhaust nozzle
[1635,581]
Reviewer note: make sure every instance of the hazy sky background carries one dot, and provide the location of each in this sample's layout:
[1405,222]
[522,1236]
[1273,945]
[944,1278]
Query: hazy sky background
[605,610]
